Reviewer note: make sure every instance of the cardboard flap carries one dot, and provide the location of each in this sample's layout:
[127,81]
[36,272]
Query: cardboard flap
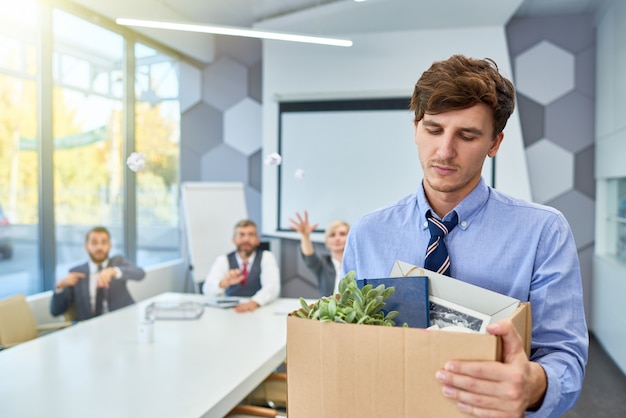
[522,321]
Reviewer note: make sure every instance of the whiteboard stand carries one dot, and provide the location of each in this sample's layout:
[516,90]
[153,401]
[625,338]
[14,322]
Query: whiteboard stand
[210,212]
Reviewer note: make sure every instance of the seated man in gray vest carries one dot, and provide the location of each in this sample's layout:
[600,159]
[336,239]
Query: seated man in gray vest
[247,272]
[99,285]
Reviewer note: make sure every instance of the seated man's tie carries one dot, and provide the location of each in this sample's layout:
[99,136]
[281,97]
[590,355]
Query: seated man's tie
[99,296]
[244,272]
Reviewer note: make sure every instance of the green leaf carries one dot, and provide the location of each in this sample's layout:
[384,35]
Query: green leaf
[305,306]
[388,292]
[350,317]
[392,315]
[343,283]
[332,307]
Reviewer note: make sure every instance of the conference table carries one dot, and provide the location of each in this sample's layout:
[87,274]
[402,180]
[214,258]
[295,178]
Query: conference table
[103,367]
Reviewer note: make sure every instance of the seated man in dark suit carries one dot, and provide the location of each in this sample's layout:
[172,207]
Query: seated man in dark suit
[248,272]
[99,285]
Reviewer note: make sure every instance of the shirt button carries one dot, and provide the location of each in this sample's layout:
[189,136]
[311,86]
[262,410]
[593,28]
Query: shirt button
[425,224]
[463,224]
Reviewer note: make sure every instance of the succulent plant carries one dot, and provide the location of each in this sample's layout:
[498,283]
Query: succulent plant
[352,305]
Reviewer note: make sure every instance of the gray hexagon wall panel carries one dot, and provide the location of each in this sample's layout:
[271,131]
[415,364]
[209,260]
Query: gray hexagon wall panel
[225,82]
[580,213]
[551,170]
[201,128]
[554,67]
[255,170]
[567,122]
[253,203]
[190,86]
[531,116]
[223,163]
[584,180]
[255,81]
[545,72]
[242,124]
[585,72]
[572,33]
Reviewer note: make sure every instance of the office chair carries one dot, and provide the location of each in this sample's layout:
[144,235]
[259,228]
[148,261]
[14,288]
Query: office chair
[17,322]
[70,314]
[251,411]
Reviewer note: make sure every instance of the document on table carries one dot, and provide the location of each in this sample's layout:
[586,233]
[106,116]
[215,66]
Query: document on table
[225,301]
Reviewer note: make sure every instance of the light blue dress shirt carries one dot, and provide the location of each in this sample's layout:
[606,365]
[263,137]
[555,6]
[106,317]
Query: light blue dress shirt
[507,245]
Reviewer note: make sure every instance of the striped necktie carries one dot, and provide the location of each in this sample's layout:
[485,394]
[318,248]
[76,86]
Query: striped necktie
[437,258]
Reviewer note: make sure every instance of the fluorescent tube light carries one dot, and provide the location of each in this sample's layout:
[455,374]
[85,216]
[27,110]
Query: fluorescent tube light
[233,31]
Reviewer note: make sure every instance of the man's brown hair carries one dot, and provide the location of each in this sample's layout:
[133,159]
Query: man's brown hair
[245,222]
[97,229]
[461,82]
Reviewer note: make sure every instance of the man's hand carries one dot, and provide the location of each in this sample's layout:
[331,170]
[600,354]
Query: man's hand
[246,307]
[232,277]
[70,280]
[494,389]
[105,276]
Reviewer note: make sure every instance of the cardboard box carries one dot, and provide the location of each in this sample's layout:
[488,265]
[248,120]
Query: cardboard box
[350,370]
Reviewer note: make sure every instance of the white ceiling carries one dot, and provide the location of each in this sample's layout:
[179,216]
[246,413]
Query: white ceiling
[324,17]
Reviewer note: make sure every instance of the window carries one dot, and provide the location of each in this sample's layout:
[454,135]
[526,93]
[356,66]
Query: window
[88,167]
[157,136]
[19,200]
[88,138]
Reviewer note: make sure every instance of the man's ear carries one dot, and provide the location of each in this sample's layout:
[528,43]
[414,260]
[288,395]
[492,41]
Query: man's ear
[495,145]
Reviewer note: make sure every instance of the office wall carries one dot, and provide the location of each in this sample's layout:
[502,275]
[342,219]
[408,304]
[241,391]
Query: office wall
[553,61]
[609,285]
[221,120]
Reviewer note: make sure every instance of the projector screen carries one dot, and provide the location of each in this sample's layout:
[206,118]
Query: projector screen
[342,159]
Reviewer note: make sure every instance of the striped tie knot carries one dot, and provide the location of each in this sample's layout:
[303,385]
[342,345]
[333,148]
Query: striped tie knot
[437,258]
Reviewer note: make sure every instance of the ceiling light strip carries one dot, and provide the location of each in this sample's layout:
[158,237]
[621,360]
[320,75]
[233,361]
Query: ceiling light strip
[233,31]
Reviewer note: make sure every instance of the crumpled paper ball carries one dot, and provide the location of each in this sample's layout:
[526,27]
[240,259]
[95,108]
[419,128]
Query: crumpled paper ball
[136,161]
[299,174]
[273,159]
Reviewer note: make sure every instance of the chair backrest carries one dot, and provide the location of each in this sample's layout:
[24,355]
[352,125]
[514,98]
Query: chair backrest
[17,322]
[70,314]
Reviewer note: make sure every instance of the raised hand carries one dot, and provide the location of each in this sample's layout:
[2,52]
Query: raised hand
[302,225]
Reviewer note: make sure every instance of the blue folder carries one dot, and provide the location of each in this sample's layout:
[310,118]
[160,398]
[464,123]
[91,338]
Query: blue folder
[410,299]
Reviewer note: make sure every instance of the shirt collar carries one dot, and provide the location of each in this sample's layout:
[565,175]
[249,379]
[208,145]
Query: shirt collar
[466,210]
[250,259]
[94,267]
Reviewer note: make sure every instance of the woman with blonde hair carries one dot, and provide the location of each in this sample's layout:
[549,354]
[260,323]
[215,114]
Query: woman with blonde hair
[326,267]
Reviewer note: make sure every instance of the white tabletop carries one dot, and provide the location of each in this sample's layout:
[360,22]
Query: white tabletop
[100,368]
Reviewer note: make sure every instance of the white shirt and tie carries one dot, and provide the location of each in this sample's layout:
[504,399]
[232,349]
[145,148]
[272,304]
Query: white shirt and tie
[94,270]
